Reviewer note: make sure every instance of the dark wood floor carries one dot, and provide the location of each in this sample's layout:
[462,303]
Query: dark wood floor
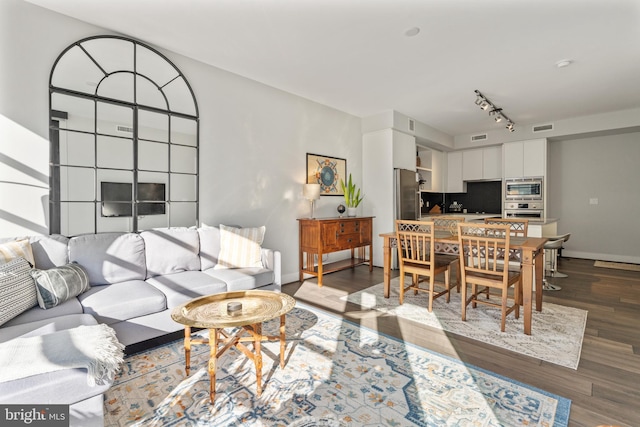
[605,389]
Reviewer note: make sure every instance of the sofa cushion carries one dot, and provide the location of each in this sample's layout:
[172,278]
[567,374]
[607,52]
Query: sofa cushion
[122,301]
[171,250]
[14,249]
[209,246]
[182,287]
[60,387]
[49,251]
[109,257]
[242,279]
[59,284]
[240,247]
[45,326]
[70,307]
[17,289]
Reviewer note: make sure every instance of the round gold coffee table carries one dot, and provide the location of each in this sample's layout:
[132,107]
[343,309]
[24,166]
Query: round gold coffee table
[219,311]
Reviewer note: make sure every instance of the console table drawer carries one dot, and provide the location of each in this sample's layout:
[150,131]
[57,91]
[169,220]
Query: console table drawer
[348,241]
[349,227]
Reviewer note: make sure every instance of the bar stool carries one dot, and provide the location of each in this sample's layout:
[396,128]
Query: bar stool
[553,245]
[564,238]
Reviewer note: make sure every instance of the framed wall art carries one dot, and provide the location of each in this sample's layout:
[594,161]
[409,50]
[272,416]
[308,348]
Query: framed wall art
[326,171]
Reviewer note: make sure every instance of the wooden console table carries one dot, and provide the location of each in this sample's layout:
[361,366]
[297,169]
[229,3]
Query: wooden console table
[319,236]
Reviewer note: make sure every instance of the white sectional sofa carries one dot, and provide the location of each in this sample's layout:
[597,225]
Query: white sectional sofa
[136,279]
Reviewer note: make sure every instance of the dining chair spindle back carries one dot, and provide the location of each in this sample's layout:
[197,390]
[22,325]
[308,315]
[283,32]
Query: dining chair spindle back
[417,257]
[482,251]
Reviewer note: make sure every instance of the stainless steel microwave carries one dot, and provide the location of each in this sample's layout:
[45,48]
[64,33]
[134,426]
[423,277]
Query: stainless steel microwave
[523,189]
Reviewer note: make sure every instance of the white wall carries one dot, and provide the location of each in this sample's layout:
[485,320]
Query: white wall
[603,168]
[253,138]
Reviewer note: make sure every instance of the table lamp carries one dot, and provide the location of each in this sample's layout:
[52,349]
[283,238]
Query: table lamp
[311,192]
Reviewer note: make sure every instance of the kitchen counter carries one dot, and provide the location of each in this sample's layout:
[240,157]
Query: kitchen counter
[537,228]
[543,222]
[467,216]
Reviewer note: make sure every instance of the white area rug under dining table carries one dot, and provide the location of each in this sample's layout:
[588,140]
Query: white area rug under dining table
[556,332]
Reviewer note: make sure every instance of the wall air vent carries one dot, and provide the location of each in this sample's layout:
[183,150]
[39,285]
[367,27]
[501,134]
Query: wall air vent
[125,129]
[412,125]
[543,128]
[481,137]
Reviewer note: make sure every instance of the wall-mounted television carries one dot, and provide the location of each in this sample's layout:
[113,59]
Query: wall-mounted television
[117,199]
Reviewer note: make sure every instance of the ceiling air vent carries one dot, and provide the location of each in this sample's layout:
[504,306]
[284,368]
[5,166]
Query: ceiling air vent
[543,128]
[412,125]
[126,129]
[481,137]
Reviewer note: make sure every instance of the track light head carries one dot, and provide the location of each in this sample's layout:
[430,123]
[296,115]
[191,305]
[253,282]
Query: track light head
[497,114]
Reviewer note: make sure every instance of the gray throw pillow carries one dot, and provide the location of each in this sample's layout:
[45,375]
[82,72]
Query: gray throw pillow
[17,291]
[59,284]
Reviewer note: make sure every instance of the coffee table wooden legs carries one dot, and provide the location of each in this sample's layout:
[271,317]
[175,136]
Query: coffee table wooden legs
[187,349]
[218,345]
[213,358]
[283,343]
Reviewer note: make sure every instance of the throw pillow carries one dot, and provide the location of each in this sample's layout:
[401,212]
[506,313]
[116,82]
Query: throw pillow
[240,247]
[59,284]
[17,291]
[18,248]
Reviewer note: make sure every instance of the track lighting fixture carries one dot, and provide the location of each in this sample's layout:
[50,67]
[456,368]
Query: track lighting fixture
[497,114]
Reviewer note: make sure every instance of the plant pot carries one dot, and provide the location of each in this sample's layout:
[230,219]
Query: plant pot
[352,211]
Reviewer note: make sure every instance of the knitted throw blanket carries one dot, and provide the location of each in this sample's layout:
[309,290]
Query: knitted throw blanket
[94,348]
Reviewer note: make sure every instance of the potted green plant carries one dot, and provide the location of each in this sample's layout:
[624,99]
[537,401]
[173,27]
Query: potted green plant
[352,196]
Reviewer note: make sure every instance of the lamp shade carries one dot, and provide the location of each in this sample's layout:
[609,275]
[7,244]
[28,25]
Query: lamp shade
[311,191]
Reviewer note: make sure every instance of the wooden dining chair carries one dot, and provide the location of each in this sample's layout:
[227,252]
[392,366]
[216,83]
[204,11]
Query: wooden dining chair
[482,247]
[449,224]
[518,226]
[417,257]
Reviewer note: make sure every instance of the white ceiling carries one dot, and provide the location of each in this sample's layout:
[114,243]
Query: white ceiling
[354,55]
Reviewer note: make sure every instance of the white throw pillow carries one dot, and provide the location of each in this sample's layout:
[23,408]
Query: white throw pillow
[240,247]
[15,249]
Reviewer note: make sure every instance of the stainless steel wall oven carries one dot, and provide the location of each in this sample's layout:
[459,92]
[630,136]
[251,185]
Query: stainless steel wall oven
[524,198]
[523,189]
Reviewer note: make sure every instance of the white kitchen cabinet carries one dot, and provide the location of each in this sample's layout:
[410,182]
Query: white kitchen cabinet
[492,162]
[455,182]
[525,158]
[472,165]
[535,157]
[404,150]
[482,164]
[512,155]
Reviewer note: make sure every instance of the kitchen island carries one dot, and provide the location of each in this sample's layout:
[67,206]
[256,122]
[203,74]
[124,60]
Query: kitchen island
[467,216]
[536,228]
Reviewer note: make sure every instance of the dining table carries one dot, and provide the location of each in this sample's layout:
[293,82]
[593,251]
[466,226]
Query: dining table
[529,250]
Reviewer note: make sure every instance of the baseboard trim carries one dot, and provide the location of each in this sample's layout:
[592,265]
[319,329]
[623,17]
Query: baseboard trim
[601,257]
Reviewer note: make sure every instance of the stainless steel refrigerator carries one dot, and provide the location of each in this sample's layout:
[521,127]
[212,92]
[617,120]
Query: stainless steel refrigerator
[407,195]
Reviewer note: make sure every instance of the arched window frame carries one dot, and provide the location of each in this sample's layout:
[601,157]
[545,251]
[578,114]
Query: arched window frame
[178,106]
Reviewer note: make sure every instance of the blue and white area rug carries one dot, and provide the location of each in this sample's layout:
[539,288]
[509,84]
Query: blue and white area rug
[336,374]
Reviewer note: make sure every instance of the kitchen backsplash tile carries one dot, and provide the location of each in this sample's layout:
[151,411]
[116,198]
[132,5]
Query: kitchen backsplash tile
[485,196]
